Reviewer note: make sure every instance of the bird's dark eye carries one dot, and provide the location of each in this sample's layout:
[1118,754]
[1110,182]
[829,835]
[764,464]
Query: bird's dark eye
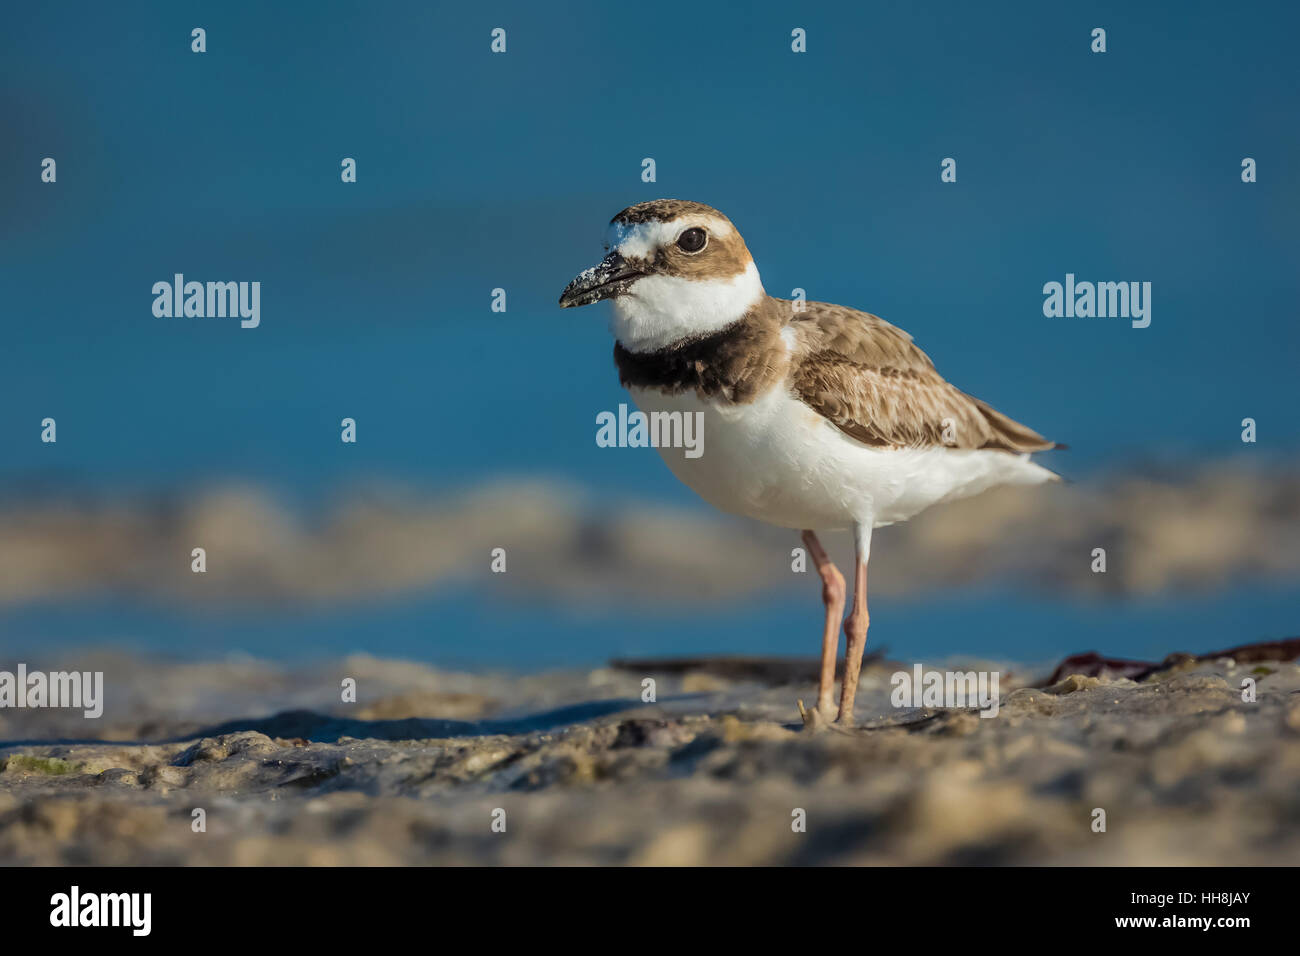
[692,240]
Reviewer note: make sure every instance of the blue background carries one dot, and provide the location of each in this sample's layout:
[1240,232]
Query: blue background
[478,170]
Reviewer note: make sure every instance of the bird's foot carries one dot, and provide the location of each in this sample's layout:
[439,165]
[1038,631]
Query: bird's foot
[816,719]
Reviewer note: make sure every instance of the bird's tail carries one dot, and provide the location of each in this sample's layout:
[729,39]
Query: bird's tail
[1010,435]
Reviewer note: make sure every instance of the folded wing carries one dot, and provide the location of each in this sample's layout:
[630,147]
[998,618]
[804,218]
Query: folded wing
[868,378]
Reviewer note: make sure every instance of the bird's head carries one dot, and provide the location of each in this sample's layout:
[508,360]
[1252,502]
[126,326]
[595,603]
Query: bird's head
[674,270]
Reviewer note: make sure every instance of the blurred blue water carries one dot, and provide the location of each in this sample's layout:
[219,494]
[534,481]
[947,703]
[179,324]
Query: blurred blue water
[472,632]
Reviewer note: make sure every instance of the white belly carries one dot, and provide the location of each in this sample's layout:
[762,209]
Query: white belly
[778,461]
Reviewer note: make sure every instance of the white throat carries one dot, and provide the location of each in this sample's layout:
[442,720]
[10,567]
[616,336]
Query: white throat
[660,310]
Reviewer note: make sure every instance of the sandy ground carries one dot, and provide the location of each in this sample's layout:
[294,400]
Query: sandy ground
[582,772]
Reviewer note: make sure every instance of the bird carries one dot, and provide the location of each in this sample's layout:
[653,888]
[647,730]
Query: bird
[817,417]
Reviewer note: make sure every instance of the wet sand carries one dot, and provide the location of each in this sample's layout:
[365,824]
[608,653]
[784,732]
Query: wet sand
[717,770]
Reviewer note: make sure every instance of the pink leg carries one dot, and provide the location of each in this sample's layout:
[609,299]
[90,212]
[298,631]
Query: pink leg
[833,597]
[855,633]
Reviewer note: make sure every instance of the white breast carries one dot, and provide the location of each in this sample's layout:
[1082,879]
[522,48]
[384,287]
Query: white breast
[778,461]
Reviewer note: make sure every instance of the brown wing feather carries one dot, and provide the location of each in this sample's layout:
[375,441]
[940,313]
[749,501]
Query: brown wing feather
[869,379]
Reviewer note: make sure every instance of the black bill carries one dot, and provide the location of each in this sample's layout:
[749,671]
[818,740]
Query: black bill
[612,277]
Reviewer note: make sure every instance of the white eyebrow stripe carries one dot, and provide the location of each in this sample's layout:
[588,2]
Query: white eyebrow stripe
[640,240]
